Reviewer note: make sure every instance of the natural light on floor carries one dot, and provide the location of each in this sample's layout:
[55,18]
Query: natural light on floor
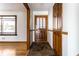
[7,52]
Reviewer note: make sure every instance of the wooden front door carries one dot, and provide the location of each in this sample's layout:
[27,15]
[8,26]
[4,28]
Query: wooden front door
[57,28]
[40,28]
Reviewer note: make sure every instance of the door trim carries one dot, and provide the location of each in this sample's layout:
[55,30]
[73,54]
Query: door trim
[28,25]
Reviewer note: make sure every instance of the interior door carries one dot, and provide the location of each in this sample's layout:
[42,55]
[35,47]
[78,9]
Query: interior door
[57,28]
[40,28]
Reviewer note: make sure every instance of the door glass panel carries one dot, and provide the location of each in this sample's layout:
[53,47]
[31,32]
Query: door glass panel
[55,23]
[37,23]
[0,26]
[41,23]
[59,23]
[44,23]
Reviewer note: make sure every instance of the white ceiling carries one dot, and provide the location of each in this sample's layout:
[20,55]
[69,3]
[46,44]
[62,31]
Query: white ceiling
[20,6]
[12,7]
[40,6]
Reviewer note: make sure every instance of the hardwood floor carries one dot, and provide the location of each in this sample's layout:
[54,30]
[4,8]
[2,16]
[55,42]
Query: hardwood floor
[13,48]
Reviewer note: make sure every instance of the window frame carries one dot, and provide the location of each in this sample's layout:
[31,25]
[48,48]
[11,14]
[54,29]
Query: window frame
[1,34]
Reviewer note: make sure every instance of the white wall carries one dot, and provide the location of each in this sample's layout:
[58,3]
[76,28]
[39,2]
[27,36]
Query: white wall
[78,28]
[15,9]
[70,25]
[50,26]
[64,45]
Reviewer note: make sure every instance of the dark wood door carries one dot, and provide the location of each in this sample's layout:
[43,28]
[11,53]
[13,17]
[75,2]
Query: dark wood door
[40,28]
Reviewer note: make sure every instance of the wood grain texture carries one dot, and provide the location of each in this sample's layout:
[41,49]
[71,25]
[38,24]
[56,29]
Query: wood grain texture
[57,42]
[19,47]
[57,10]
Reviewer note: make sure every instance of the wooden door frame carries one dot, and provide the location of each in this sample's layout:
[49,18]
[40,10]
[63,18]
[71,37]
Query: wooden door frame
[28,25]
[46,22]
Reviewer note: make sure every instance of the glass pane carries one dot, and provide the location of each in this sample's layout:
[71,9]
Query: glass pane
[41,22]
[37,23]
[8,26]
[44,23]
[59,23]
[0,26]
[55,23]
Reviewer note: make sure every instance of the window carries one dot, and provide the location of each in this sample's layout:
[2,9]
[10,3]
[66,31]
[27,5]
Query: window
[8,25]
